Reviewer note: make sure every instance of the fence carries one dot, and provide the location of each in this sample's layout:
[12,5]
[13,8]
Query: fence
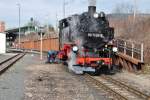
[135,50]
[50,43]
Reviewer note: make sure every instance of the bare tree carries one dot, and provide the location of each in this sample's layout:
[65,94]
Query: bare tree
[124,8]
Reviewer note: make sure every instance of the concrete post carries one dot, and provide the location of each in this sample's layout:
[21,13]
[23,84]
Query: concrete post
[132,50]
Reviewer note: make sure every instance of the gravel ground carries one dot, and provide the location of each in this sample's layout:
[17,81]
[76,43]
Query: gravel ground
[54,82]
[141,81]
[32,79]
[12,81]
[6,56]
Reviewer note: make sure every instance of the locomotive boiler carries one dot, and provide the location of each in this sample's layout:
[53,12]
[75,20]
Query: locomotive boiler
[87,40]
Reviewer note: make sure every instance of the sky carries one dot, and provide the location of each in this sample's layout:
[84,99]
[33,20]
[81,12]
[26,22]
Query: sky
[45,11]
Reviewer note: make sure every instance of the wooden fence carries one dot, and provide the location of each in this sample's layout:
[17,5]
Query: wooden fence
[48,44]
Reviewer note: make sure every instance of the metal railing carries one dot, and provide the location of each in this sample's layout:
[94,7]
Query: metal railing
[130,48]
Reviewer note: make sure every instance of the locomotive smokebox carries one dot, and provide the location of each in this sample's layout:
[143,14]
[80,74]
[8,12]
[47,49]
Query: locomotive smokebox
[92,7]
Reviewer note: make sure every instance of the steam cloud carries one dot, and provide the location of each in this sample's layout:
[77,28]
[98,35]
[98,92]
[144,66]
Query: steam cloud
[71,61]
[75,35]
[92,2]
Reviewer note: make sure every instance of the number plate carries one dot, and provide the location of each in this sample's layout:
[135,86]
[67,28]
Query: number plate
[97,35]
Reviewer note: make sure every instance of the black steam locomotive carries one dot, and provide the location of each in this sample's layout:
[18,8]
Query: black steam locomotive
[90,37]
[93,28]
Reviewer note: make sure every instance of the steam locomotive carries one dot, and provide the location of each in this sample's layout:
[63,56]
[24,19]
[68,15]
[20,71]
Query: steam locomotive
[86,42]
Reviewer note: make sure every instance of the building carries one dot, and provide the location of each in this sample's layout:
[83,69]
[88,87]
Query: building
[2,26]
[2,38]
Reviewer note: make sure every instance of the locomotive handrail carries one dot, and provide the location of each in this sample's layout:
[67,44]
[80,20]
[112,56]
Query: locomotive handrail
[130,49]
[125,46]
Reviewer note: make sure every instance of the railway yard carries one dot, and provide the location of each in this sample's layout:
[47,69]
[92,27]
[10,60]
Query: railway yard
[32,79]
[94,50]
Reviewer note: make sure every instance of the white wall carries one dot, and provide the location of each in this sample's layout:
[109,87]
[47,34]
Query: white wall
[2,43]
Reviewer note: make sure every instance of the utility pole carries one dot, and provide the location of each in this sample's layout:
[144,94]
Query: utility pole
[47,24]
[19,23]
[64,8]
[41,49]
[135,10]
[41,33]
[56,23]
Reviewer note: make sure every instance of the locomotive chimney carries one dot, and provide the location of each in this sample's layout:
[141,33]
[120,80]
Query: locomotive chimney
[92,7]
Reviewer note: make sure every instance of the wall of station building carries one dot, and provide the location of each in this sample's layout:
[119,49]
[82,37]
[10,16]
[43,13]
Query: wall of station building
[2,37]
[2,43]
[2,26]
[48,44]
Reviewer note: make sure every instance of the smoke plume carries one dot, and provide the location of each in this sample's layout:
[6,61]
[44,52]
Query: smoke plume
[92,2]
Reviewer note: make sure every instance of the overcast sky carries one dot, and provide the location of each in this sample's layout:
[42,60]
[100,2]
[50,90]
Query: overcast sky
[45,10]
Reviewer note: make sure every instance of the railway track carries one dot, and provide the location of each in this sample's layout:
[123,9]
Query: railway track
[4,65]
[117,89]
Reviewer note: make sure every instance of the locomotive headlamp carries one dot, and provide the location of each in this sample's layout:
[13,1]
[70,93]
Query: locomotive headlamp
[115,49]
[96,15]
[75,49]
[101,62]
[97,61]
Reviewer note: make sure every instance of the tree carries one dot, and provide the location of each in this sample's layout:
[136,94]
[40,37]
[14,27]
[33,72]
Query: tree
[124,8]
[48,28]
[33,22]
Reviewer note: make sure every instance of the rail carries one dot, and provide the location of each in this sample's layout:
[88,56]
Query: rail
[2,62]
[129,88]
[4,65]
[105,87]
[118,89]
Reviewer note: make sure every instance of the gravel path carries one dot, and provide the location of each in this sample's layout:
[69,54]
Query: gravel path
[32,79]
[141,82]
[12,81]
[54,82]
